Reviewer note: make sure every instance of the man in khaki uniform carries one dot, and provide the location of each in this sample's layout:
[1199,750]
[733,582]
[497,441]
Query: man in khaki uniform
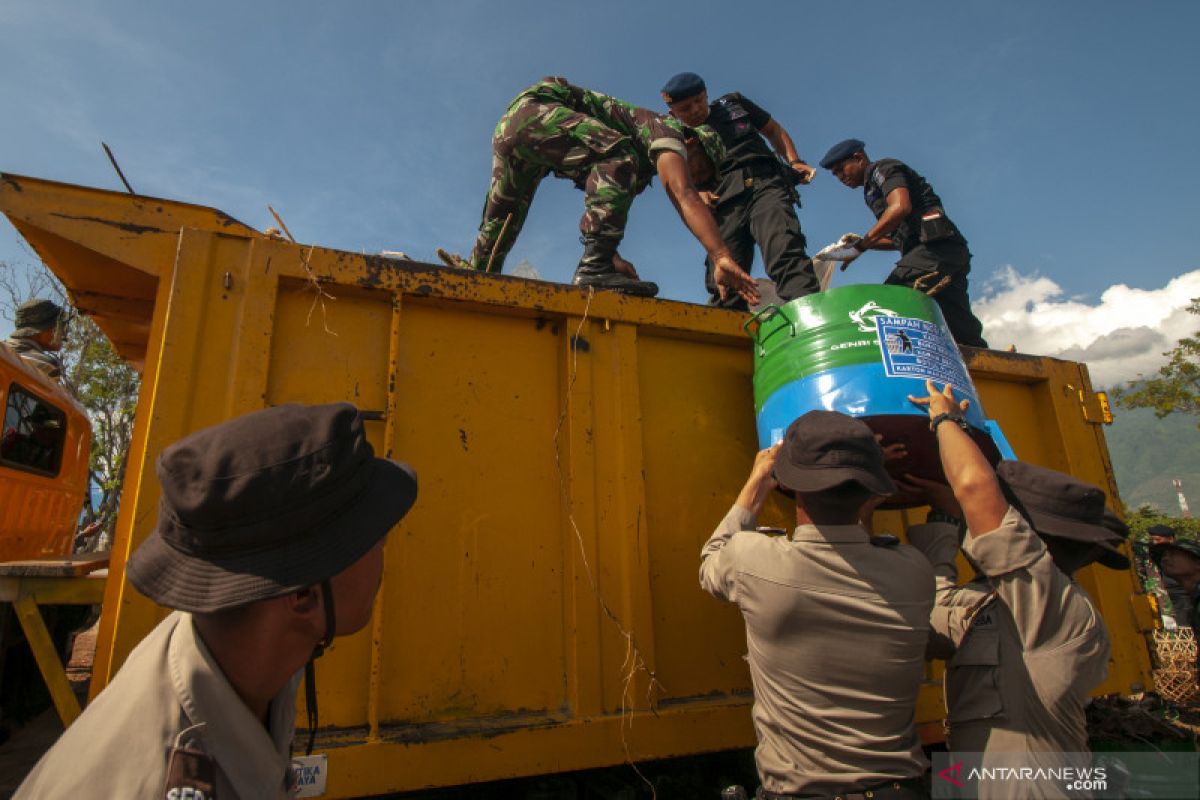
[269,543]
[836,622]
[1024,643]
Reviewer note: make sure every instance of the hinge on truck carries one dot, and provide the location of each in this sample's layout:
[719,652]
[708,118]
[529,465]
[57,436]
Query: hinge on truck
[1093,405]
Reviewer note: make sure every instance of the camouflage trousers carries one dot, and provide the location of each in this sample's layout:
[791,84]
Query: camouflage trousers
[536,138]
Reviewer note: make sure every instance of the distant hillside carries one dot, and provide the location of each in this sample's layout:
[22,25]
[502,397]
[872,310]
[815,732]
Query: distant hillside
[1148,452]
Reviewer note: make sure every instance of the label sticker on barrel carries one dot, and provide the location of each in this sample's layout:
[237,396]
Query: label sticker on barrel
[915,348]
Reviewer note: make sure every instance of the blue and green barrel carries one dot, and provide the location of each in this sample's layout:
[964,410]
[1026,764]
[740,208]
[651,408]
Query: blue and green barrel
[862,350]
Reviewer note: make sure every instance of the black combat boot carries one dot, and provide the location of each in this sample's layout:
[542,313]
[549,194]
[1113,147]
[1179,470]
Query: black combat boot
[596,269]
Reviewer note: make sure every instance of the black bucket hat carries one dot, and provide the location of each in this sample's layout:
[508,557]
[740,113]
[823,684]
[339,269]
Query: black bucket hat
[1058,504]
[1120,532]
[266,504]
[825,448]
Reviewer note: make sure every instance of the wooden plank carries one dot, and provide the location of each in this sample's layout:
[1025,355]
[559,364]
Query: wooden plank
[49,664]
[68,567]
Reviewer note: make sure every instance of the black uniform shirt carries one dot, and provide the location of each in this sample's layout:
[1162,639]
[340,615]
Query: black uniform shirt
[886,175]
[738,121]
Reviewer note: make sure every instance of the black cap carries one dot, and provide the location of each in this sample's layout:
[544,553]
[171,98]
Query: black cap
[841,151]
[1165,531]
[825,448]
[683,86]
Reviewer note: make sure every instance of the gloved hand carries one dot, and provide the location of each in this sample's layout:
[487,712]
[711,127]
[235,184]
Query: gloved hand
[842,250]
[836,253]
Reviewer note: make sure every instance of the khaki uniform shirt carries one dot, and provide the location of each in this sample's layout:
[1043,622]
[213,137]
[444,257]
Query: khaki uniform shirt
[1025,647]
[170,683]
[836,630]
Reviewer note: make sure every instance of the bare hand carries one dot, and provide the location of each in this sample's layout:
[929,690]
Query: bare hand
[761,482]
[939,496]
[764,466]
[624,267]
[805,172]
[942,402]
[709,198]
[729,275]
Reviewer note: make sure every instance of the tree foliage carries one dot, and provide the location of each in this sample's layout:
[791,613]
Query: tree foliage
[1177,386]
[103,383]
[1146,517]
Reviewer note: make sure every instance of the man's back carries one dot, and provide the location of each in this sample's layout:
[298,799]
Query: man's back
[836,630]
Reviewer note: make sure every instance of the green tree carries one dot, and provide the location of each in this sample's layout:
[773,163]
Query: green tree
[1177,386]
[1146,517]
[103,383]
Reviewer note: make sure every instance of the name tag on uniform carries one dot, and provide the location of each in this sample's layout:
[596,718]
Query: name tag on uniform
[191,775]
[309,773]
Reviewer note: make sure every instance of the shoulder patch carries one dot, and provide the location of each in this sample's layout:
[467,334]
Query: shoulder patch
[884,540]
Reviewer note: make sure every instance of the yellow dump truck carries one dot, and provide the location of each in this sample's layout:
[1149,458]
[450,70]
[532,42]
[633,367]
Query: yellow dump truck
[540,610]
[45,440]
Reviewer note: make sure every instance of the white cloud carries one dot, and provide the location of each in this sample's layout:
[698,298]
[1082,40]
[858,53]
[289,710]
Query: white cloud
[1122,335]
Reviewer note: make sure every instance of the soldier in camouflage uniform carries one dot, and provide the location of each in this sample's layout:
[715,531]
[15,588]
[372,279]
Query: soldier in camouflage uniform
[38,336]
[610,150]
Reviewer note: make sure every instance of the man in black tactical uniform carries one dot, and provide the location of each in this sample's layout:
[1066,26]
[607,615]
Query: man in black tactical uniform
[754,194]
[933,253]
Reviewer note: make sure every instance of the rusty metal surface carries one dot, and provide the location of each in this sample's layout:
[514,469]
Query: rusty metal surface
[107,248]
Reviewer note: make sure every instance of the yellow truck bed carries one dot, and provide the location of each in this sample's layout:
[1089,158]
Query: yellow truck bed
[540,609]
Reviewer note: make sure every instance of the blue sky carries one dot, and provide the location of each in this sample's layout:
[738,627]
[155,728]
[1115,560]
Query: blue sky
[1054,132]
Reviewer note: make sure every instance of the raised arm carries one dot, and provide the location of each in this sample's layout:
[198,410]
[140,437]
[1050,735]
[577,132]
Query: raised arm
[717,568]
[1049,610]
[969,474]
[782,144]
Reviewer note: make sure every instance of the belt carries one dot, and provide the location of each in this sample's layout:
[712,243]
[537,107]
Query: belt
[907,789]
[760,170]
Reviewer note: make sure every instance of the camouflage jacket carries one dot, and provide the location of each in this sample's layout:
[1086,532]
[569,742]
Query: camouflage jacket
[44,360]
[616,122]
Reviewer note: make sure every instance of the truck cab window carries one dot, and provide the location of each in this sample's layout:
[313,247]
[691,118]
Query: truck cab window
[33,434]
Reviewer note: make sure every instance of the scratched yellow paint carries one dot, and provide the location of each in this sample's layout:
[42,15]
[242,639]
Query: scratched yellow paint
[574,453]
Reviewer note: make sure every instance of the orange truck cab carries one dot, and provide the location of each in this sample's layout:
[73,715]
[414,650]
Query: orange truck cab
[45,438]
